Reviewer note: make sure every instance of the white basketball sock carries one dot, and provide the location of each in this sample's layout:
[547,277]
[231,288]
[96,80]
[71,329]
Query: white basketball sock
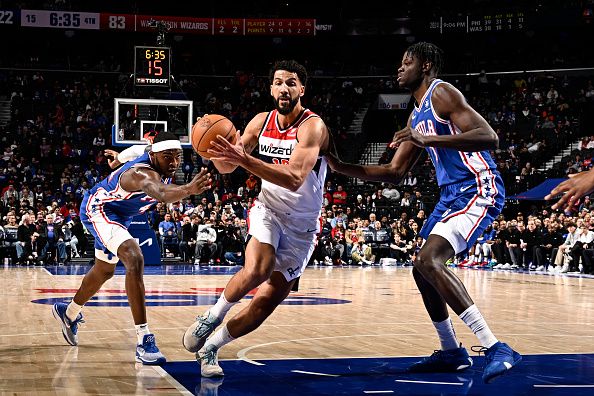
[73,310]
[220,309]
[447,335]
[474,319]
[141,331]
[220,338]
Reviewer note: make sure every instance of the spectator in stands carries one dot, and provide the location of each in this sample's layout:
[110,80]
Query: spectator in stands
[410,180]
[379,200]
[361,208]
[543,252]
[585,239]
[417,201]
[251,184]
[513,244]
[50,232]
[79,232]
[11,235]
[205,243]
[10,192]
[340,216]
[167,234]
[234,247]
[339,197]
[420,218]
[362,254]
[24,247]
[70,239]
[562,256]
[380,240]
[405,202]
[531,238]
[187,244]
[399,249]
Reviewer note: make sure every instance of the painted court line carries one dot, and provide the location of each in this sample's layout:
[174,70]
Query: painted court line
[180,388]
[564,386]
[431,382]
[314,373]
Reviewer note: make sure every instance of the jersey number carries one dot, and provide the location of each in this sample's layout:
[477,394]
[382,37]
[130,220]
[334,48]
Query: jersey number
[280,162]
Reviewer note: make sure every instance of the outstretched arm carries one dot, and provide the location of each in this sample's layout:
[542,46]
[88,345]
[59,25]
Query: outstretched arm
[128,154]
[149,181]
[312,135]
[473,134]
[404,159]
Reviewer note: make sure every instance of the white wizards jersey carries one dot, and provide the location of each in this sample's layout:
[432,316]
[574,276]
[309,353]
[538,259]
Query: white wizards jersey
[275,146]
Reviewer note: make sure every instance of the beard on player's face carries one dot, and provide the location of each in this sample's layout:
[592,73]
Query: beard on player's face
[286,107]
[167,162]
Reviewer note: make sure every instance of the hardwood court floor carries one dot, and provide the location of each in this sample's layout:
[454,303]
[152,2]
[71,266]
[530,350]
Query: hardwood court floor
[338,312]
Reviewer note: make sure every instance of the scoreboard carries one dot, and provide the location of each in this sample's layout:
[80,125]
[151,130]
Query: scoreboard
[145,23]
[152,66]
[496,22]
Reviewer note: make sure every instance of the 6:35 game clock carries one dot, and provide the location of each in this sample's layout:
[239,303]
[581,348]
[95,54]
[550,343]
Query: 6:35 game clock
[152,66]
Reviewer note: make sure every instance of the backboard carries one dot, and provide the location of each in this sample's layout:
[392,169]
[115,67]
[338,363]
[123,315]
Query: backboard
[133,118]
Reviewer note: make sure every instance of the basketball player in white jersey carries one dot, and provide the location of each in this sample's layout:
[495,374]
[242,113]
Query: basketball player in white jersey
[283,222]
[458,140]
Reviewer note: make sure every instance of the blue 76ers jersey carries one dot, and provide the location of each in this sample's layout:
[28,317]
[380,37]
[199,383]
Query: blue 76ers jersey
[453,166]
[108,196]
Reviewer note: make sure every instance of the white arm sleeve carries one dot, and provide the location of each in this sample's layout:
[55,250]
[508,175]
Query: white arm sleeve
[132,153]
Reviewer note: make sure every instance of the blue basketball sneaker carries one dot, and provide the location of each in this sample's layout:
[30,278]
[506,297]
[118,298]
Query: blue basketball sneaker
[449,361]
[148,353]
[69,327]
[498,360]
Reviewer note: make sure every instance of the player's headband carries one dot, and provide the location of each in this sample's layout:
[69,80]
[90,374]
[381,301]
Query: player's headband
[166,145]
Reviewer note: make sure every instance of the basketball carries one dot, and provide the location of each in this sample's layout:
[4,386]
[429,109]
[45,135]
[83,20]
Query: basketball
[207,128]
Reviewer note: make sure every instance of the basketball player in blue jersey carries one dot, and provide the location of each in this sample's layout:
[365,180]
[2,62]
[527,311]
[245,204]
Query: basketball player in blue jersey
[284,220]
[106,211]
[457,139]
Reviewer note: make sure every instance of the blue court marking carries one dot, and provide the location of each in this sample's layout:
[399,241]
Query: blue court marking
[174,269]
[536,374]
[178,300]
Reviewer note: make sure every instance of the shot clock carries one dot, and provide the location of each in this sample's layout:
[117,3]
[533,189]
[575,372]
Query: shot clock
[152,66]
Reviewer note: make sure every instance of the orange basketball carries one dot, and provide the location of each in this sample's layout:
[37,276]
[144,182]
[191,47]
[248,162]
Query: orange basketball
[207,128]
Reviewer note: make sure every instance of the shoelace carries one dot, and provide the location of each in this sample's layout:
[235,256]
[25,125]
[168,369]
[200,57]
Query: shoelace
[75,323]
[436,355]
[150,347]
[203,322]
[488,356]
[210,357]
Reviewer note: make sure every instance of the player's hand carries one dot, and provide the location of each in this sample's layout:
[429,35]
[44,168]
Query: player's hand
[577,186]
[224,151]
[201,182]
[408,135]
[112,158]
